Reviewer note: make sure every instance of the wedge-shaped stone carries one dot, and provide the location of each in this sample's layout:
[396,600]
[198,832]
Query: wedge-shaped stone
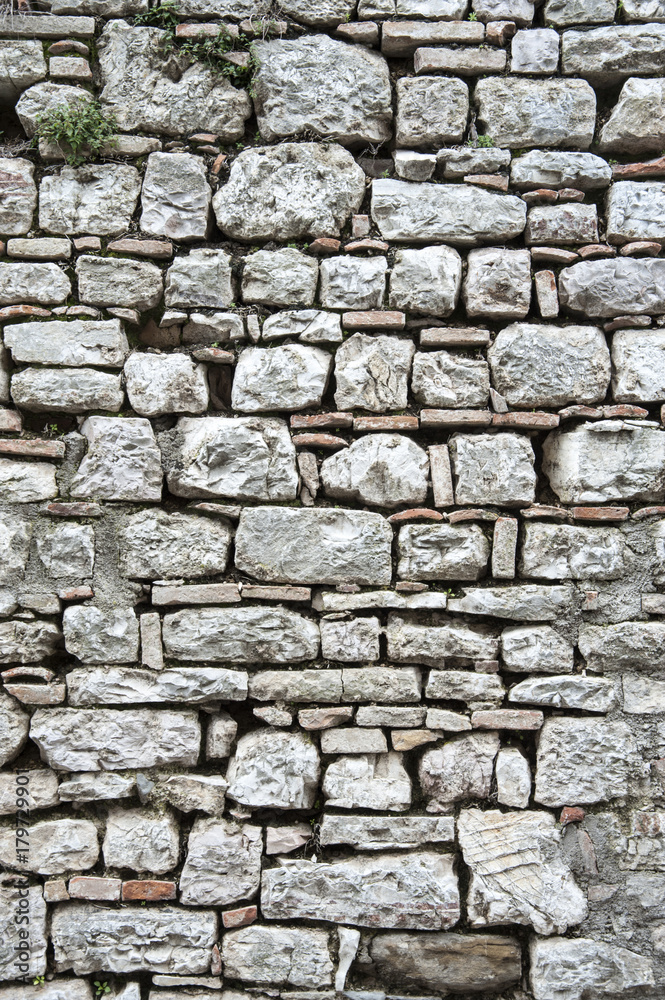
[223,863]
[319,545]
[274,769]
[298,956]
[131,686]
[76,343]
[442,552]
[241,635]
[88,938]
[103,739]
[368,781]
[96,786]
[165,383]
[628,645]
[147,95]
[583,760]
[157,545]
[45,284]
[251,458]
[638,359]
[637,122]
[311,190]
[569,968]
[591,694]
[575,462]
[445,640]
[318,85]
[525,602]
[493,468]
[608,55]
[540,168]
[175,197]
[19,192]
[292,377]
[518,872]
[27,641]
[565,552]
[26,956]
[521,112]
[202,278]
[311,326]
[614,287]
[417,891]
[372,373]
[108,281]
[52,847]
[460,769]
[98,199]
[66,390]
[380,833]
[122,461]
[460,214]
[383,470]
[426,281]
[535,364]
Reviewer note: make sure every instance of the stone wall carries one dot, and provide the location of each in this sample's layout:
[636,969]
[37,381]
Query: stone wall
[333,503]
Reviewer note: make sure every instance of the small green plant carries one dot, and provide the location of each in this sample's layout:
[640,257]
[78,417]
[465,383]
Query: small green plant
[38,981]
[80,129]
[485,141]
[473,16]
[101,988]
[164,15]
[217,54]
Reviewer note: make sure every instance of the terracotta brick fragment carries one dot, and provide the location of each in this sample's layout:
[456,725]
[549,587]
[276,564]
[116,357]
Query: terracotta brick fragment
[157,249]
[91,887]
[55,891]
[43,673]
[218,163]
[76,593]
[541,196]
[88,243]
[324,718]
[408,739]
[553,255]
[366,244]
[570,194]
[321,420]
[9,312]
[496,182]
[373,319]
[454,418]
[454,336]
[203,137]
[507,718]
[600,513]
[396,423]
[410,587]
[593,250]
[360,226]
[214,355]
[624,410]
[10,421]
[275,593]
[539,510]
[530,421]
[74,509]
[325,244]
[648,168]
[415,514]
[196,593]
[644,512]
[37,694]
[578,411]
[239,918]
[648,248]
[149,889]
[472,514]
[571,814]
[499,32]
[34,448]
[328,441]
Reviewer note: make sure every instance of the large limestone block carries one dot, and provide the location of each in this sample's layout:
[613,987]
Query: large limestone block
[15,536]
[241,635]
[638,361]
[636,211]
[383,684]
[52,847]
[88,938]
[250,458]
[459,769]
[378,833]
[289,191]
[165,383]
[66,390]
[274,769]
[156,545]
[298,956]
[19,193]
[319,13]
[316,545]
[493,468]
[442,552]
[518,872]
[583,760]
[202,278]
[563,13]
[561,225]
[175,198]
[447,962]
[108,281]
[410,640]
[591,694]
[67,550]
[295,686]
[447,380]
[527,649]
[535,364]
[353,282]
[416,891]
[383,470]
[637,122]
[22,63]
[530,602]
[44,97]
[44,284]
[150,94]
[95,636]
[13,730]
[291,377]
[310,326]
[498,283]
[318,85]
[372,373]
[122,461]
[575,462]
[132,686]
[98,199]
[223,863]
[564,552]
[368,781]
[431,110]
[555,169]
[519,11]
[21,955]
[279,278]
[479,691]
[58,989]
[27,642]
[457,213]
[572,968]
[607,55]
[142,840]
[521,112]
[426,281]
[27,482]
[76,343]
[104,739]
[629,645]
[614,287]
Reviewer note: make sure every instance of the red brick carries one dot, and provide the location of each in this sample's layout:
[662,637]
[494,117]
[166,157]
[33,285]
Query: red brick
[580,411]
[454,336]
[9,312]
[496,182]
[91,887]
[639,515]
[570,194]
[600,513]
[35,448]
[649,168]
[507,718]
[329,441]
[552,255]
[540,196]
[218,163]
[275,593]
[37,694]
[76,594]
[366,244]
[472,514]
[150,889]
[321,420]
[215,355]
[416,514]
[624,410]
[454,418]
[396,423]
[239,918]
[74,509]
[530,421]
[543,510]
[88,243]
[646,247]
[325,244]
[571,814]
[43,673]
[593,250]
[10,421]
[204,137]
[374,319]
[157,249]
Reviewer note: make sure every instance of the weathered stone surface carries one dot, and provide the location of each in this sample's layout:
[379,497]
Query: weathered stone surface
[52,847]
[518,874]
[22,63]
[223,863]
[240,635]
[637,122]
[28,951]
[66,390]
[311,326]
[95,636]
[297,686]
[15,534]
[142,840]
[27,482]
[628,644]
[36,790]
[368,781]
[14,730]
[98,199]
[583,760]
[353,282]
[27,642]
[417,891]
[613,287]
[76,343]
[159,545]
[132,686]
[442,552]
[289,191]
[319,13]
[635,211]
[493,468]
[521,112]
[42,283]
[148,96]
[104,739]
[42,98]
[535,51]
[540,365]
[460,769]
[175,197]
[95,786]
[536,648]
[373,833]
[563,13]
[190,792]
[447,380]
[410,640]
[108,281]
[384,470]
[463,215]
[527,602]
[274,769]
[279,278]
[431,110]
[291,377]
[561,225]
[322,86]
[544,168]
[202,278]
[58,989]
[19,193]
[638,360]
[513,778]
[88,938]
[575,462]
[122,461]
[67,550]
[607,55]
[387,684]
[498,283]
[264,954]
[567,968]
[251,458]
[372,373]
[426,281]
[565,552]
[171,383]
[591,694]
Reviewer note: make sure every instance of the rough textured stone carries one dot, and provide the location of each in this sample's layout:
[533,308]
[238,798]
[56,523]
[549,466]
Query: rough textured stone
[19,193]
[372,373]
[134,284]
[97,637]
[158,384]
[42,283]
[528,602]
[175,198]
[447,380]
[76,343]
[498,283]
[159,545]
[98,199]
[518,873]
[353,282]
[637,122]
[223,863]
[460,769]
[279,278]
[14,731]
[264,954]
[607,55]
[563,13]
[370,833]
[289,191]
[240,635]
[539,168]
[418,891]
[513,778]
[42,98]
[22,63]
[27,482]
[26,642]
[531,648]
[368,781]
[142,840]
[426,281]
[566,969]
[564,552]
[318,85]
[610,288]
[628,644]
[384,470]
[66,390]
[520,112]
[431,110]
[291,377]
[311,326]
[638,360]
[442,552]
[122,461]
[202,278]
[29,951]
[15,534]
[561,225]
[635,211]
[67,550]
[493,468]
[319,13]
[274,769]
[410,640]
[540,365]
[535,51]
[130,685]
[583,760]
[592,694]
[39,791]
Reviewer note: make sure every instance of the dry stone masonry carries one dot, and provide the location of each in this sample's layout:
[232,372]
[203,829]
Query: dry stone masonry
[332,501]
